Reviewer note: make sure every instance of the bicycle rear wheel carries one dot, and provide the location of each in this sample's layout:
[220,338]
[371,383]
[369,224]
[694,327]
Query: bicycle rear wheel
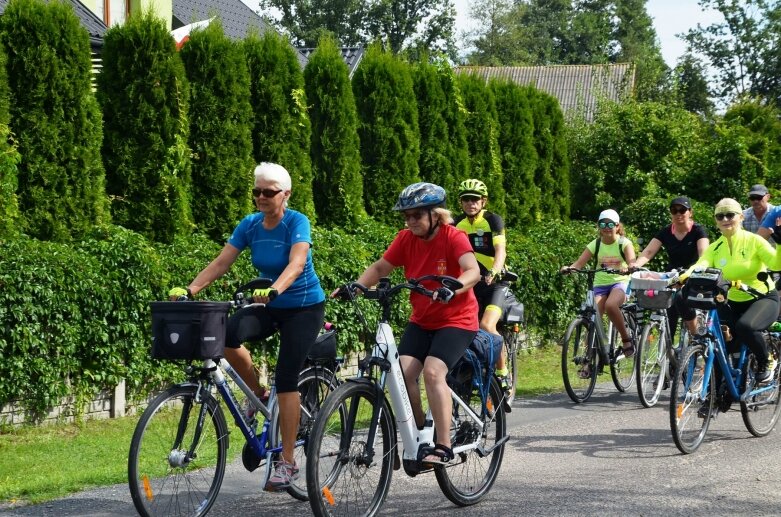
[176,467]
[622,369]
[760,412]
[471,474]
[579,361]
[345,475]
[690,412]
[651,363]
[314,385]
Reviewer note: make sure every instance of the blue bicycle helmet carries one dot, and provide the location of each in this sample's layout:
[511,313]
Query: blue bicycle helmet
[420,195]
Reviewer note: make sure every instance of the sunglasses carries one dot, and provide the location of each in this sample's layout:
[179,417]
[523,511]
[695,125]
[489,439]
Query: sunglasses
[609,225]
[471,199]
[415,216]
[729,216]
[678,210]
[755,198]
[265,192]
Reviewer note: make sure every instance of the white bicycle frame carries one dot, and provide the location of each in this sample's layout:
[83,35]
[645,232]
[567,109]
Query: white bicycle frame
[411,438]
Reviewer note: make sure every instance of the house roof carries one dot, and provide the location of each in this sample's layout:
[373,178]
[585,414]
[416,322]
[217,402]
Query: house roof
[237,19]
[351,55]
[577,87]
[94,25]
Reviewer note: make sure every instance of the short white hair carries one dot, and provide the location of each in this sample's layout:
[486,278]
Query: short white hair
[274,173]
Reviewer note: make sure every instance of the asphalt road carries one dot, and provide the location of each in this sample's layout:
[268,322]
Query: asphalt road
[609,456]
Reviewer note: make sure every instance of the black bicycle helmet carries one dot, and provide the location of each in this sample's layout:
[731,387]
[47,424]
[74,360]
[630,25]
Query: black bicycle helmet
[420,195]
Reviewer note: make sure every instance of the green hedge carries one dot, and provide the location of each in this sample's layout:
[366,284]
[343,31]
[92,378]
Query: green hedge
[75,318]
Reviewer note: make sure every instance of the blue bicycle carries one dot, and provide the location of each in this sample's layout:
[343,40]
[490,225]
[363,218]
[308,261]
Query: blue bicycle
[695,398]
[180,446]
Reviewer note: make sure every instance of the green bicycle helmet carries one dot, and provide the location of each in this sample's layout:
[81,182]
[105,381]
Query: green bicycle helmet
[472,187]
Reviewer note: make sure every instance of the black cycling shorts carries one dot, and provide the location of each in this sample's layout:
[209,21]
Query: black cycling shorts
[447,344]
[493,294]
[298,329]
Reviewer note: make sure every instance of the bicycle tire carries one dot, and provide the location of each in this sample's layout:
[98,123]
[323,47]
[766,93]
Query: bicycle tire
[577,351]
[651,363]
[688,427]
[337,466]
[760,412]
[622,371]
[314,385]
[161,481]
[511,340]
[469,477]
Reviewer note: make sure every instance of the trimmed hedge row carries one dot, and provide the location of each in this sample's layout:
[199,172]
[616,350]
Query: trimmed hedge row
[74,319]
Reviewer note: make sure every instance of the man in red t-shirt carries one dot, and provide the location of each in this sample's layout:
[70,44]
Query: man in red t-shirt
[439,331]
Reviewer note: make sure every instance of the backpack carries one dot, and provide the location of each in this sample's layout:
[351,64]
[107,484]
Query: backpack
[621,242]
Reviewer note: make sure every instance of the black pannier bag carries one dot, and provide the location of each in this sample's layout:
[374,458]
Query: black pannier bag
[188,330]
[705,289]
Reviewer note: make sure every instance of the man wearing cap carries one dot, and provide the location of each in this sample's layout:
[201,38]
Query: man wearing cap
[758,196]
[683,240]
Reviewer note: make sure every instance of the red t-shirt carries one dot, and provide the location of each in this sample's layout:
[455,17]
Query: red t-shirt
[438,256]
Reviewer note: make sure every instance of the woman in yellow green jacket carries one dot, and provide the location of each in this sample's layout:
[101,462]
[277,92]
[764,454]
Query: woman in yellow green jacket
[740,255]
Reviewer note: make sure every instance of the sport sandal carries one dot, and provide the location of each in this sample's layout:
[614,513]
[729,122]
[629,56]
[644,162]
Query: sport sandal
[442,454]
[628,350]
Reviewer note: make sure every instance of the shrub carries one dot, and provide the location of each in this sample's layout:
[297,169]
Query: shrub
[482,130]
[281,130]
[9,158]
[516,131]
[220,130]
[388,130]
[335,151]
[56,119]
[145,95]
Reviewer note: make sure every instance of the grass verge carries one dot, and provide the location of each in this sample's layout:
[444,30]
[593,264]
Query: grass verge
[38,464]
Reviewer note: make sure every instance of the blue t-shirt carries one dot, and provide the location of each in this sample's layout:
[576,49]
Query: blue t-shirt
[772,218]
[271,254]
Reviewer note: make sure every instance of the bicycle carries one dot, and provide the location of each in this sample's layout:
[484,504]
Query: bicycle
[655,350]
[586,348]
[695,398]
[514,329]
[179,448]
[350,464]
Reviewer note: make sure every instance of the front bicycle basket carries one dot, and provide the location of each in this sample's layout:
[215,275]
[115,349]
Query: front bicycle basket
[188,330]
[651,299]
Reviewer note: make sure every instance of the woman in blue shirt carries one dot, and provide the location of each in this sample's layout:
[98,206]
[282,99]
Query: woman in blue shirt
[280,242]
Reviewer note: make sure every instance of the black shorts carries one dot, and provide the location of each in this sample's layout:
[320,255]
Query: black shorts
[447,344]
[493,294]
[298,329]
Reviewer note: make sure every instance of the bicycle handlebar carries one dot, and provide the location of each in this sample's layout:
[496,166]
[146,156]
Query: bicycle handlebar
[385,290]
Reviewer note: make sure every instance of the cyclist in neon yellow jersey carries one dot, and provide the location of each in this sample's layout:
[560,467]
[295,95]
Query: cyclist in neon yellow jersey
[740,255]
[486,235]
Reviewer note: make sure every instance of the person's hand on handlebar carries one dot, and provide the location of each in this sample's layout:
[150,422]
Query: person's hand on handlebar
[492,276]
[442,295]
[566,270]
[179,294]
[264,296]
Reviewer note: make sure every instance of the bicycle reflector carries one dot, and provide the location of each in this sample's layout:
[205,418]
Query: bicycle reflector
[148,488]
[328,496]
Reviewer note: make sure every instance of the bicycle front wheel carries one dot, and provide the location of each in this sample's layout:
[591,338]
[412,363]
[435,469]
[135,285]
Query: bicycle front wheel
[760,412]
[178,452]
[690,412]
[622,369]
[651,364]
[348,472]
[471,474]
[511,341]
[314,385]
[579,361]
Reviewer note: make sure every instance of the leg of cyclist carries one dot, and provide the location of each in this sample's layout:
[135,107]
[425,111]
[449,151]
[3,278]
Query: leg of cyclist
[752,318]
[610,303]
[432,352]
